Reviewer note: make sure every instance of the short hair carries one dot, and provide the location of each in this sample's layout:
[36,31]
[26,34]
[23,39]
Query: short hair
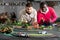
[42,4]
[28,5]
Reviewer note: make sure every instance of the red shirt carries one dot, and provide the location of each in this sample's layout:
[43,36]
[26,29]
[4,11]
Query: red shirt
[50,16]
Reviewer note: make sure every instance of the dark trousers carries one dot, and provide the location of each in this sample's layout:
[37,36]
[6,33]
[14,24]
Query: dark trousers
[46,23]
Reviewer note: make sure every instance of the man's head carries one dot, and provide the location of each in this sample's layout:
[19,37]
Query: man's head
[28,8]
[43,6]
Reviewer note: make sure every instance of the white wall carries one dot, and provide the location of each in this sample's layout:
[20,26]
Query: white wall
[16,9]
[57,9]
[1,9]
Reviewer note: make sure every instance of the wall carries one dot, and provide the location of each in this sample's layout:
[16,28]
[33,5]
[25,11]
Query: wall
[57,9]
[16,9]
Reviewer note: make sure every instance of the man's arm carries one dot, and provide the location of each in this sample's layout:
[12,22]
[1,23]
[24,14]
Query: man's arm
[34,19]
[35,16]
[35,23]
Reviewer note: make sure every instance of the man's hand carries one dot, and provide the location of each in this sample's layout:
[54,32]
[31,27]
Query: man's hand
[35,25]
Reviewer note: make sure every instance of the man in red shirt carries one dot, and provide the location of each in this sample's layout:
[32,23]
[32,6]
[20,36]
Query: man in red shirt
[46,15]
